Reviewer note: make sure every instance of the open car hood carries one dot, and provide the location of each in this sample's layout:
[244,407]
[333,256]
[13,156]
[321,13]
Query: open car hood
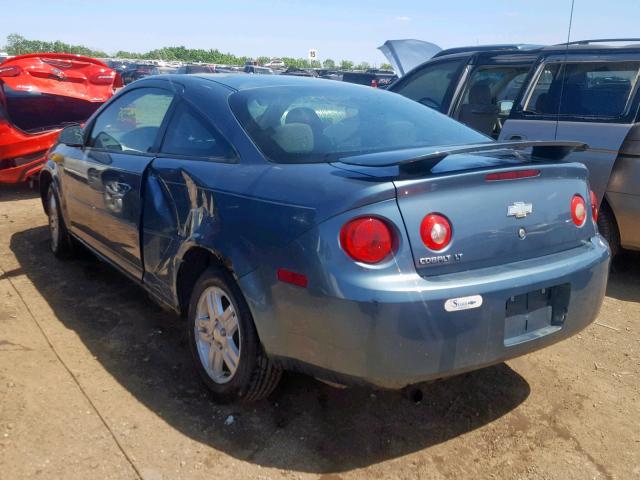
[60,74]
[404,55]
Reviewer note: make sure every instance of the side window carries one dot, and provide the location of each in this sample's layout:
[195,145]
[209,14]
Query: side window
[584,89]
[430,85]
[488,97]
[131,123]
[188,134]
[545,97]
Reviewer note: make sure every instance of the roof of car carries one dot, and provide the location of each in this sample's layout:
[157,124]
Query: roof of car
[524,47]
[240,81]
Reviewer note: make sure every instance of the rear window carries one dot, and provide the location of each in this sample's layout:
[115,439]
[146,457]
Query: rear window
[307,124]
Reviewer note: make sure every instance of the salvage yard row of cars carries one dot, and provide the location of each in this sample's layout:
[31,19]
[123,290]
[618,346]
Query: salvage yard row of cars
[359,234]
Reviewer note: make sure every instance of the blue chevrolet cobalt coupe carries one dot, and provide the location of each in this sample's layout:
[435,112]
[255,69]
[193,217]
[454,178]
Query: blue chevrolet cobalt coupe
[326,227]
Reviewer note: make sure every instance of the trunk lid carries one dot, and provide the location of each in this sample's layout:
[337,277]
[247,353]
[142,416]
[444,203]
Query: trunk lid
[45,91]
[484,231]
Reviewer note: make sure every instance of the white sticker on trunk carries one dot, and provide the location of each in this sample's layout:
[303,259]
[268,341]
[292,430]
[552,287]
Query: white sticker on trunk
[463,303]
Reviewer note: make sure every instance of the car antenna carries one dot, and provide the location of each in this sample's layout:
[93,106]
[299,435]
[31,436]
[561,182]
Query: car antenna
[564,71]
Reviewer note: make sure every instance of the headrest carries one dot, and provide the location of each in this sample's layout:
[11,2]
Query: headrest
[294,137]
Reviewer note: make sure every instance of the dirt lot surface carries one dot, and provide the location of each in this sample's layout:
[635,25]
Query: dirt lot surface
[96,382]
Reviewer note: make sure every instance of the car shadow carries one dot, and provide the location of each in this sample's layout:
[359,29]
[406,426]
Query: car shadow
[305,425]
[624,279]
[20,191]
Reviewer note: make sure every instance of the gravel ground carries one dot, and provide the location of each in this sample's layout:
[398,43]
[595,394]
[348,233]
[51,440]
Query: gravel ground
[96,382]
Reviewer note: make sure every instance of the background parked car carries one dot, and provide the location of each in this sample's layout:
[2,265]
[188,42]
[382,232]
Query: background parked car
[136,71]
[581,91]
[475,85]
[39,94]
[371,78]
[257,70]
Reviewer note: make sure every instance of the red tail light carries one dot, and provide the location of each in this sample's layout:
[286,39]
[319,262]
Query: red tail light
[578,210]
[514,175]
[435,231]
[374,83]
[594,206]
[9,71]
[366,239]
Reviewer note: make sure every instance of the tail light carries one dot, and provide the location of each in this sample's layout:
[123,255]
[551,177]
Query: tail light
[9,71]
[594,206]
[374,83]
[578,210]
[366,239]
[435,231]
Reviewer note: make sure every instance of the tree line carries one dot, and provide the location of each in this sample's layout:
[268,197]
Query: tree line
[19,45]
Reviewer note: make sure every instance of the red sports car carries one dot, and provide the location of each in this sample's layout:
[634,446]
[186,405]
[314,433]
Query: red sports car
[39,94]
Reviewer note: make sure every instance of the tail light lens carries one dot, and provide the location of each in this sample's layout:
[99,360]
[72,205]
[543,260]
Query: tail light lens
[374,83]
[9,71]
[578,210]
[594,206]
[366,239]
[435,231]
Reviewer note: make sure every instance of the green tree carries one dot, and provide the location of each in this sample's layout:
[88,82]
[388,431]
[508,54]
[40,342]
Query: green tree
[386,66]
[363,66]
[346,64]
[328,63]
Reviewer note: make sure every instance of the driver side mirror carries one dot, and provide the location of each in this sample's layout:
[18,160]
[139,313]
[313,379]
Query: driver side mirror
[72,136]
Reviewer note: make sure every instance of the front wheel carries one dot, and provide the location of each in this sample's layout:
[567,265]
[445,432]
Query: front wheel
[60,241]
[224,342]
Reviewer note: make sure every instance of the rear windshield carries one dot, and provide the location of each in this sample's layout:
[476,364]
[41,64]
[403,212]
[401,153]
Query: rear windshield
[309,124]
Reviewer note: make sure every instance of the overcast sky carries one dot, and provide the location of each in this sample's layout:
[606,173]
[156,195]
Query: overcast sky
[338,29]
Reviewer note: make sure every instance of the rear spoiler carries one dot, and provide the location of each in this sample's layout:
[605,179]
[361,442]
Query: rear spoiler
[543,150]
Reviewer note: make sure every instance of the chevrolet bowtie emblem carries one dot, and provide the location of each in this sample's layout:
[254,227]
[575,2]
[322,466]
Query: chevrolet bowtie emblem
[519,209]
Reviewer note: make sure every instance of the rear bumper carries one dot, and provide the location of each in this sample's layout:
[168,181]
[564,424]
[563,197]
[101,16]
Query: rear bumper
[22,173]
[396,331]
[15,143]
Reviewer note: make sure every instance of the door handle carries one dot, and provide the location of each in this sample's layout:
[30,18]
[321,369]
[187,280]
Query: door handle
[117,189]
[516,137]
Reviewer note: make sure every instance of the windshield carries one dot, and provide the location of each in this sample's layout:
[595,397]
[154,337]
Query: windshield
[307,124]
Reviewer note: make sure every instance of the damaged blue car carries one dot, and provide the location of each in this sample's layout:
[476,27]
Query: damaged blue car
[329,228]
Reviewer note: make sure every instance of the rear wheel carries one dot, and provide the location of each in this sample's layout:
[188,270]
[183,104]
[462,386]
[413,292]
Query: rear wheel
[608,228]
[224,342]
[60,241]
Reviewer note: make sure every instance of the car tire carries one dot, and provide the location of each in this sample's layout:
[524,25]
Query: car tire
[59,239]
[224,342]
[608,228]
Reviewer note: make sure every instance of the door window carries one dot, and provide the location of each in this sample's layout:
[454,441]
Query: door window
[488,97]
[584,89]
[430,85]
[131,123]
[188,134]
